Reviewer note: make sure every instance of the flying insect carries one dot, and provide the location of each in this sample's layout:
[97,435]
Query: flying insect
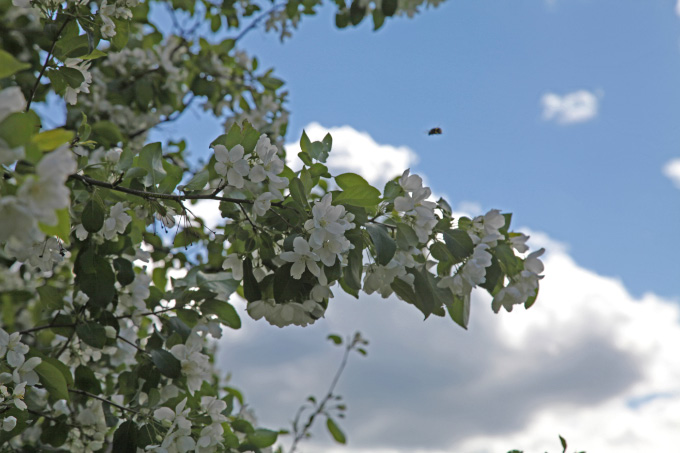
[435,131]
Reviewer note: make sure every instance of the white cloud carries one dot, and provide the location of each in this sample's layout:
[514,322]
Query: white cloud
[677,8]
[589,361]
[357,152]
[672,170]
[576,107]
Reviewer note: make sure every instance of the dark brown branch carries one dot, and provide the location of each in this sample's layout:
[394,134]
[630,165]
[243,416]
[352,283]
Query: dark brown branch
[104,400]
[156,195]
[47,61]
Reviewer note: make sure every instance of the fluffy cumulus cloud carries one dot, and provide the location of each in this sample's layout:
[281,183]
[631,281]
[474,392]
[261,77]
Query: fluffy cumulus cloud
[576,107]
[677,8]
[589,361]
[357,152]
[672,171]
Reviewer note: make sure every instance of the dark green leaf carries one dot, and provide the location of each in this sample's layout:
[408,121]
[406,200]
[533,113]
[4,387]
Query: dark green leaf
[378,19]
[167,364]
[54,434]
[198,182]
[356,191]
[18,128]
[120,39]
[459,310]
[125,438]
[251,289]
[93,216]
[384,244]
[50,298]
[459,243]
[564,444]
[406,237]
[356,12]
[224,311]
[86,380]
[151,159]
[125,273]
[342,20]
[389,7]
[53,381]
[73,77]
[335,431]
[297,191]
[262,438]
[92,334]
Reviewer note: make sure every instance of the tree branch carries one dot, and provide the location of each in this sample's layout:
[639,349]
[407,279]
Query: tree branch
[104,400]
[47,61]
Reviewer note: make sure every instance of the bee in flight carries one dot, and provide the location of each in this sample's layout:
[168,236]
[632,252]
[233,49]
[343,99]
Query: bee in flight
[435,131]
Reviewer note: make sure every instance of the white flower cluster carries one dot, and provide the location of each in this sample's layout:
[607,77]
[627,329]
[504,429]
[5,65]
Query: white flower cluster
[241,170]
[178,438]
[37,200]
[91,435]
[120,10]
[522,286]
[418,211]
[281,315]
[470,274]
[379,278]
[12,351]
[195,365]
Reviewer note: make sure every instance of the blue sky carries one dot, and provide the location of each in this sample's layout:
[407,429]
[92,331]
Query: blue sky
[479,70]
[596,359]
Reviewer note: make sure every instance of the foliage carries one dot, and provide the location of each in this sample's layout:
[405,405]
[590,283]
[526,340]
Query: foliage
[110,286]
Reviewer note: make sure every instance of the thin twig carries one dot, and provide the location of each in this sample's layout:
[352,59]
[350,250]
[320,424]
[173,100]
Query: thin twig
[131,344]
[257,20]
[47,61]
[92,395]
[153,195]
[46,326]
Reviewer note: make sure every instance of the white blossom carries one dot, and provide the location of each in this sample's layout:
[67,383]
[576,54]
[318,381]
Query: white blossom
[195,365]
[270,165]
[116,222]
[11,101]
[302,257]
[235,264]
[11,345]
[231,164]
[8,423]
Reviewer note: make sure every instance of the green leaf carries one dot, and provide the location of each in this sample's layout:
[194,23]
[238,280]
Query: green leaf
[53,381]
[151,159]
[86,380]
[120,39]
[531,300]
[18,128]
[510,263]
[167,364]
[54,434]
[93,216]
[73,77]
[337,339]
[378,19]
[564,443]
[96,53]
[106,133]
[125,273]
[352,273]
[125,438]
[384,244]
[356,191]
[356,12]
[224,311]
[335,431]
[146,435]
[251,289]
[305,143]
[10,65]
[406,236]
[198,182]
[50,298]
[52,139]
[63,227]
[21,416]
[96,279]
[262,438]
[174,176]
[92,334]
[389,7]
[297,191]
[342,20]
[459,243]
[459,310]
[320,150]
